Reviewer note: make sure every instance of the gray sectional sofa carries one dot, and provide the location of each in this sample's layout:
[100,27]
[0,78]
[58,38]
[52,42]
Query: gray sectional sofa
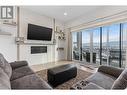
[17,75]
[105,78]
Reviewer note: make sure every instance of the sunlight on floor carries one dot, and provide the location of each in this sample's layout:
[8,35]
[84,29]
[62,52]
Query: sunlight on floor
[39,67]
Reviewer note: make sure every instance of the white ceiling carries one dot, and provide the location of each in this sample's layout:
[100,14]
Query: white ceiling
[57,12]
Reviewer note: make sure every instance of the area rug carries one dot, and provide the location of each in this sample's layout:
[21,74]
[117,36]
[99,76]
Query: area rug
[81,74]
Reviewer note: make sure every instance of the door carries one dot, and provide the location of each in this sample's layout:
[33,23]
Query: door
[86,47]
[114,46]
[111,45]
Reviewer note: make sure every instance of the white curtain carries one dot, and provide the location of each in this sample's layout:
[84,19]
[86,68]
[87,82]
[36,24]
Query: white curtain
[69,44]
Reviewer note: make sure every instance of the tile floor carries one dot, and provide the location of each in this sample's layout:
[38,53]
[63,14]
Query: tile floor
[39,67]
[49,65]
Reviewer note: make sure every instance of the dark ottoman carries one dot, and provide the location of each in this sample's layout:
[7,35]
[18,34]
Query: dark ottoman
[61,74]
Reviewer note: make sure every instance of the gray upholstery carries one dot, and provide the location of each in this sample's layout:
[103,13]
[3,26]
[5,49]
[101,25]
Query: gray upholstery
[104,80]
[5,73]
[92,86]
[5,66]
[4,80]
[18,64]
[110,70]
[29,82]
[18,75]
[20,72]
[121,82]
[24,78]
[106,77]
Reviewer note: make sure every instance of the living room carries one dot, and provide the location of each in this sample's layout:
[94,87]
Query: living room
[46,43]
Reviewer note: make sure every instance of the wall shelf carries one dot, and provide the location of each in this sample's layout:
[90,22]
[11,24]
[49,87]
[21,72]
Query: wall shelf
[5,33]
[9,22]
[37,44]
[22,43]
[12,24]
[60,48]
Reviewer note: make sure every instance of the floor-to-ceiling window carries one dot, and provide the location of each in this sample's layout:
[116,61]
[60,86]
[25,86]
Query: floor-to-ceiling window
[75,46]
[96,46]
[111,45]
[124,44]
[105,45]
[91,45]
[85,45]
[114,45]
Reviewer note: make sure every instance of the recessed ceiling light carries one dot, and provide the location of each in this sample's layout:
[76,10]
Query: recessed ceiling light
[65,14]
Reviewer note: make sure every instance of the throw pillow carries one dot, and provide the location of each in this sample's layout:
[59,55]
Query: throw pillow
[121,81]
[4,80]
[5,66]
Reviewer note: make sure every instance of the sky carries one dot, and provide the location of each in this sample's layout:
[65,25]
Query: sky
[113,33]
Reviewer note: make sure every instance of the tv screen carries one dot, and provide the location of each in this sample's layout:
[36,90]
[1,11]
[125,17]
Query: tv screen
[36,32]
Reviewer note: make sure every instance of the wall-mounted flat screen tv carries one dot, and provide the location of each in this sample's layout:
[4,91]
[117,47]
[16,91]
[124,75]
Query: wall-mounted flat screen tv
[36,32]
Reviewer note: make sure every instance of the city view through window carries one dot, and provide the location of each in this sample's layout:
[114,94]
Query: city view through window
[101,46]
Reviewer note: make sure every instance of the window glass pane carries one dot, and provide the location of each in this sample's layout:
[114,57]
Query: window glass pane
[75,46]
[111,45]
[114,36]
[124,45]
[114,45]
[104,54]
[105,30]
[96,45]
[74,36]
[86,45]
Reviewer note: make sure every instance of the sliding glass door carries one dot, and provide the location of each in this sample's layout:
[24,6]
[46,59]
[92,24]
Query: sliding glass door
[114,45]
[86,46]
[105,45]
[111,45]
[91,46]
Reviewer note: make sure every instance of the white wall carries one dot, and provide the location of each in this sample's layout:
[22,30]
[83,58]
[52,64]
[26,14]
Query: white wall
[7,42]
[9,49]
[52,55]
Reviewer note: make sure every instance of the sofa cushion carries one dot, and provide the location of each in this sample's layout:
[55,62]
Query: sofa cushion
[103,80]
[113,71]
[91,86]
[18,64]
[20,72]
[121,81]
[29,82]
[5,66]
[4,80]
